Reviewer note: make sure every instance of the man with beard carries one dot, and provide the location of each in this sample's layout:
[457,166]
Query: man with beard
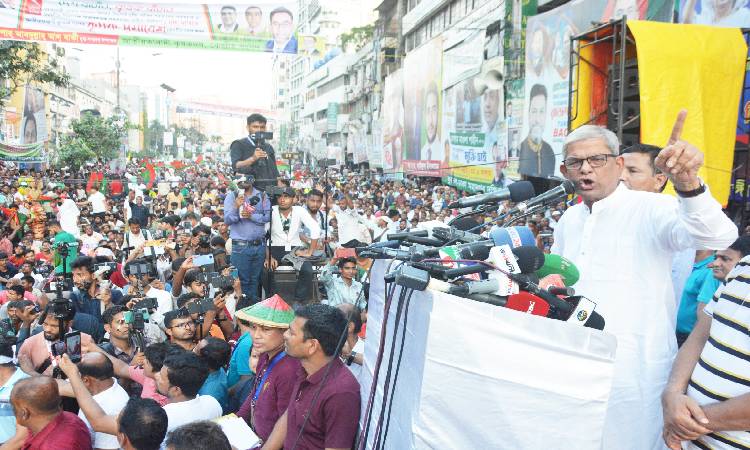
[276,372]
[180,328]
[313,203]
[536,157]
[34,356]
[89,294]
[432,149]
[90,239]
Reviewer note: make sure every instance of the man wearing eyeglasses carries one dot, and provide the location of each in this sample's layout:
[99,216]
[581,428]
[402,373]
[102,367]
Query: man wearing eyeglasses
[623,241]
[180,328]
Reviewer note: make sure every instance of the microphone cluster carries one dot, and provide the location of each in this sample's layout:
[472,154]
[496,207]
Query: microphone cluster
[507,270]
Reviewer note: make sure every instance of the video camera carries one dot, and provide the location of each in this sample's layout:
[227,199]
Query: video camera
[217,280]
[200,307]
[260,137]
[105,269]
[140,269]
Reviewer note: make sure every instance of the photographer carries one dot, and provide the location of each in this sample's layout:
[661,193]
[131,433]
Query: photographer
[212,314]
[140,275]
[34,355]
[135,238]
[247,212]
[91,295]
[253,156]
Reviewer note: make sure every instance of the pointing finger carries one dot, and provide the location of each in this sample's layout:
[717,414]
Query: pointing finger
[679,124]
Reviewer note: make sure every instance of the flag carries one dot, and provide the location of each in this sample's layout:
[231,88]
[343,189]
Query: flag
[148,175]
[199,159]
[95,179]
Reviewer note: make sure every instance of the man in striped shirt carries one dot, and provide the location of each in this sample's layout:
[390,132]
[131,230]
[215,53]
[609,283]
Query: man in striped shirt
[707,399]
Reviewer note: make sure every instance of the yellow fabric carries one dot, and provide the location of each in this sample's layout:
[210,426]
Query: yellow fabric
[698,68]
[580,109]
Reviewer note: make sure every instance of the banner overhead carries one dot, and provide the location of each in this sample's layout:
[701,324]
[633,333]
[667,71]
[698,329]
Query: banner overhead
[263,26]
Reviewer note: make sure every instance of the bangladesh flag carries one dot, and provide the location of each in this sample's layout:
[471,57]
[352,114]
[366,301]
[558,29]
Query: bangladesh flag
[148,175]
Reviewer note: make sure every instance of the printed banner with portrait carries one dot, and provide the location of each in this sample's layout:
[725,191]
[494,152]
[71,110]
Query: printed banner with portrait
[721,13]
[393,122]
[34,119]
[423,149]
[546,85]
[262,26]
[476,136]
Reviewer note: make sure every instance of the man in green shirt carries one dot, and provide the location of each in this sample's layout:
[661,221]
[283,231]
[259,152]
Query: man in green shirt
[63,237]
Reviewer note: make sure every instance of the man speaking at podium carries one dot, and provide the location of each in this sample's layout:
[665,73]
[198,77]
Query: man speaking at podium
[622,242]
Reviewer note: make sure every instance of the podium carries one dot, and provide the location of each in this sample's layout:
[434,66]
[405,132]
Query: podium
[477,376]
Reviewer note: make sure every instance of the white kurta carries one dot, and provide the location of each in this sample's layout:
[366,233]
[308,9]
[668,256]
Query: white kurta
[623,249]
[67,215]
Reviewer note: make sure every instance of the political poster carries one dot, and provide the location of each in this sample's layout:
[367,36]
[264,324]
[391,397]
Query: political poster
[34,118]
[547,67]
[423,148]
[722,13]
[393,123]
[476,142]
[262,26]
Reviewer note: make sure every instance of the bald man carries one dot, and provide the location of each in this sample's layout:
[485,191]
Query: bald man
[36,402]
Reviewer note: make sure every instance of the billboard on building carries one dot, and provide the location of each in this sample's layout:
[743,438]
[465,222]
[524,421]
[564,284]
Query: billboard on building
[720,13]
[34,118]
[260,26]
[475,136]
[423,149]
[392,130]
[547,73]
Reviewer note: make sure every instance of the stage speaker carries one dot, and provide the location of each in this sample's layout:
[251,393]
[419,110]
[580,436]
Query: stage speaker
[626,90]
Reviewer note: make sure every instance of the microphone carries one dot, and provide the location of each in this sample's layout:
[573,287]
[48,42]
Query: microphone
[407,234]
[474,246]
[556,264]
[584,313]
[452,234]
[529,258]
[513,236]
[566,188]
[528,303]
[385,253]
[516,192]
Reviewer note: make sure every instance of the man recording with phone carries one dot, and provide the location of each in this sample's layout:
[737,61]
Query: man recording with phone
[35,354]
[252,155]
[247,211]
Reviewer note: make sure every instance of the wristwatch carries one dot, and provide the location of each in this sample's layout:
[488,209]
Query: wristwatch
[694,193]
[350,359]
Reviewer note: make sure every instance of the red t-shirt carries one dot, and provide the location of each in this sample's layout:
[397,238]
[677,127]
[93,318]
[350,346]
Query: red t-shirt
[65,431]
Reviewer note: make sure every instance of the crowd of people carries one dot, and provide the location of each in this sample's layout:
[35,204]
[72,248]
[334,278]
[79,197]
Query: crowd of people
[134,314]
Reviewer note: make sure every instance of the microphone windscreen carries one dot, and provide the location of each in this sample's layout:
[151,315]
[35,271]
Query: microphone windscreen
[528,303]
[520,191]
[465,223]
[477,253]
[529,258]
[513,236]
[596,321]
[556,264]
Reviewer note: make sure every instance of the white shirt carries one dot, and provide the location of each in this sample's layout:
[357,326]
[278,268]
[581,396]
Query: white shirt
[202,407]
[623,249]
[289,239]
[98,202]
[351,226]
[90,242]
[354,368]
[112,401]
